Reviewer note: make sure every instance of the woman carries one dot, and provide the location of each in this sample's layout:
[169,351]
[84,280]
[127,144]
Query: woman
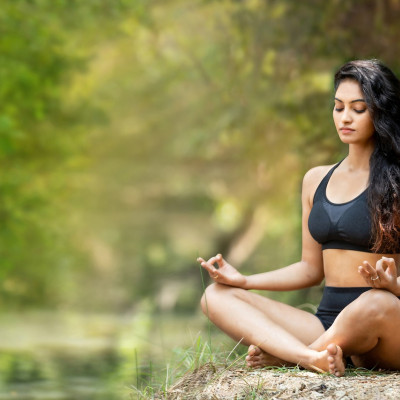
[350,238]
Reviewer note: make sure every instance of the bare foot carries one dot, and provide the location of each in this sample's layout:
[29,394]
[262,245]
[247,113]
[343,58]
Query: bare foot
[336,360]
[257,358]
[330,360]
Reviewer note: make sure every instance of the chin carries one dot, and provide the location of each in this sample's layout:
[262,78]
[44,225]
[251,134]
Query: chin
[347,139]
[350,140]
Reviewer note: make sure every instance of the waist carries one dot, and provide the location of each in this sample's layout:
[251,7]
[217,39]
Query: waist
[340,297]
[335,299]
[341,266]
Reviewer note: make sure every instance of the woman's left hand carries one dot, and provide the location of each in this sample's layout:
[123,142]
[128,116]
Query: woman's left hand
[383,276]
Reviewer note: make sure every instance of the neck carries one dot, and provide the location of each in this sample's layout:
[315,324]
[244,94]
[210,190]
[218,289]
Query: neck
[358,158]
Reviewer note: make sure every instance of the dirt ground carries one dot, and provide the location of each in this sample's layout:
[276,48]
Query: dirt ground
[212,383]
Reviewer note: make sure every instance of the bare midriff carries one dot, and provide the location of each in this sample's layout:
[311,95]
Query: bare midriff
[341,266]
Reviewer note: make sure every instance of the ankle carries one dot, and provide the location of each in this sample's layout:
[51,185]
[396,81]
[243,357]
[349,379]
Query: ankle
[311,360]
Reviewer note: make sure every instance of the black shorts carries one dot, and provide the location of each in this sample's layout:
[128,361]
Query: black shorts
[334,300]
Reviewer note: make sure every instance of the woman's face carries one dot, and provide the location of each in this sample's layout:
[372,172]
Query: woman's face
[351,116]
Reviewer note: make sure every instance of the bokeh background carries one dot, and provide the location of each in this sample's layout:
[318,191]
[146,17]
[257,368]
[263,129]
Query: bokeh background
[136,135]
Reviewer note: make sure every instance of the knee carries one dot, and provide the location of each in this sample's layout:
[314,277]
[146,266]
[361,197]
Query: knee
[377,304]
[213,294]
[209,297]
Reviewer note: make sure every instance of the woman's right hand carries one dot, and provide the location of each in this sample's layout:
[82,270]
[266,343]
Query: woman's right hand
[225,273]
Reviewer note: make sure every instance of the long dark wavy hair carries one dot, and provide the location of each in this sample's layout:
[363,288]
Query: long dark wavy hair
[381,90]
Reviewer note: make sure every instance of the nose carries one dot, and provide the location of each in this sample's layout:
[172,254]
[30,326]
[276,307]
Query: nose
[346,116]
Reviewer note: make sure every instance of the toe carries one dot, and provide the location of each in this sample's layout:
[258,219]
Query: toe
[332,349]
[252,350]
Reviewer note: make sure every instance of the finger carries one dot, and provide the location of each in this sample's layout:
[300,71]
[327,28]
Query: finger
[202,261]
[369,269]
[388,260]
[379,269]
[220,260]
[382,271]
[390,266]
[374,276]
[376,281]
[364,274]
[213,260]
[381,277]
[207,266]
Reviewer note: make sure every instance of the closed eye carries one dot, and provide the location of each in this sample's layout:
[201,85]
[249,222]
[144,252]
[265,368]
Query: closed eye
[357,111]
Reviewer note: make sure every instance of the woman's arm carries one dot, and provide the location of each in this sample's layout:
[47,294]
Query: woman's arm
[305,273]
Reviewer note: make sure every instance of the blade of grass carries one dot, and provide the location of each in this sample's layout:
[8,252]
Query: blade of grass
[208,319]
[137,369]
[237,344]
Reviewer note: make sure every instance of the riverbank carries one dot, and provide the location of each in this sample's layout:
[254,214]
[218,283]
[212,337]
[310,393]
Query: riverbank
[210,382]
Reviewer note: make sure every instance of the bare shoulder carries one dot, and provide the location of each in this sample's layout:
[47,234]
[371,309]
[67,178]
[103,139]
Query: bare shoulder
[316,174]
[313,178]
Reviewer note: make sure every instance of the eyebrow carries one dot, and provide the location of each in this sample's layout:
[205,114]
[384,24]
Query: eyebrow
[353,101]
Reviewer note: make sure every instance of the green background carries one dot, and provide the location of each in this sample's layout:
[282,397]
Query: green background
[136,136]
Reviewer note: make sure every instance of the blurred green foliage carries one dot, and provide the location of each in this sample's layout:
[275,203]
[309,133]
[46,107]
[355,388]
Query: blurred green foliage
[137,135]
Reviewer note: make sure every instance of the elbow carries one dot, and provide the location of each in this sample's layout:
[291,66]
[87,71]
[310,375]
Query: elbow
[317,278]
[318,281]
[314,280]
[315,273]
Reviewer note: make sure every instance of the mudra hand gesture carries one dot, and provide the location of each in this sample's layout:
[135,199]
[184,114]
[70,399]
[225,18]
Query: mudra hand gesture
[383,276]
[225,273]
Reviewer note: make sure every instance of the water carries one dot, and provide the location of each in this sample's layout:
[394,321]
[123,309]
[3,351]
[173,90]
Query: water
[72,356]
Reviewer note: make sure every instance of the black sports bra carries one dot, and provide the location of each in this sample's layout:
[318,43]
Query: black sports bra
[344,226]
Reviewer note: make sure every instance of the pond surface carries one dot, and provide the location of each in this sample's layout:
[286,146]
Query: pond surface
[72,356]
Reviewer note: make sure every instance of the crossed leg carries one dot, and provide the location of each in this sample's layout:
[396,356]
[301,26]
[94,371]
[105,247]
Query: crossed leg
[282,332]
[366,330]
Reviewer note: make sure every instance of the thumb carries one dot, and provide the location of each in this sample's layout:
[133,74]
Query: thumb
[220,261]
[391,265]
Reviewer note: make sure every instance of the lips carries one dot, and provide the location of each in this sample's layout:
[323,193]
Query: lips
[346,130]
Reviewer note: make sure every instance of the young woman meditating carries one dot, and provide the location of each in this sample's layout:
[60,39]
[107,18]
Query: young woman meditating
[350,239]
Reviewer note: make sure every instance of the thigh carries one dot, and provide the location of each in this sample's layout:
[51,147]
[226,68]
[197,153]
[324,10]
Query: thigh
[386,353]
[367,330]
[301,324]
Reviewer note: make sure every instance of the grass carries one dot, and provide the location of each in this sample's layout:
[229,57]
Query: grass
[222,359]
[186,360]
[152,382]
